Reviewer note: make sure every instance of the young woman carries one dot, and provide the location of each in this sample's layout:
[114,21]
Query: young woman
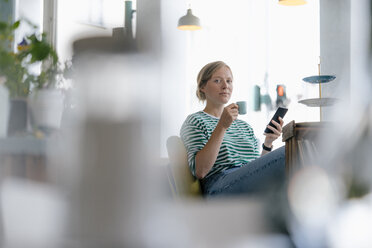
[223,151]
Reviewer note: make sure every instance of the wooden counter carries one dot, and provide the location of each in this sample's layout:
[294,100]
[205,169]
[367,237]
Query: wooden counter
[301,143]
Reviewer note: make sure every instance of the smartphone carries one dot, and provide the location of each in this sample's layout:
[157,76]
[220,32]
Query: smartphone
[280,112]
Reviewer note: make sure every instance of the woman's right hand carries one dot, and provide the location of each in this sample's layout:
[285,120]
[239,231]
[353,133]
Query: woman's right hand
[229,115]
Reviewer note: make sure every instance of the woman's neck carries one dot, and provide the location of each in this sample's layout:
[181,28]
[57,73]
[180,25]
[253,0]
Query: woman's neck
[214,110]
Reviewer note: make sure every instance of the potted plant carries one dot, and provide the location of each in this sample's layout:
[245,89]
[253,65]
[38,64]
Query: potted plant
[46,100]
[13,67]
[21,82]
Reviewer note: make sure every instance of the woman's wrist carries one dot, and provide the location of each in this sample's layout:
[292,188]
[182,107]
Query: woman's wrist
[221,127]
[268,143]
[266,147]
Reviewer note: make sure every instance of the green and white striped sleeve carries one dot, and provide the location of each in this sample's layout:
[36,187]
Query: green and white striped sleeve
[194,139]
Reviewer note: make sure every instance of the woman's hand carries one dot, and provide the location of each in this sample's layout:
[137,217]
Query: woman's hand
[270,137]
[229,115]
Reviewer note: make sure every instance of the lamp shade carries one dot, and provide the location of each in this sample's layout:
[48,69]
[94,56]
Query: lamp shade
[292,2]
[189,22]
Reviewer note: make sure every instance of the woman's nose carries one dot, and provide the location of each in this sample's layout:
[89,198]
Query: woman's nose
[224,84]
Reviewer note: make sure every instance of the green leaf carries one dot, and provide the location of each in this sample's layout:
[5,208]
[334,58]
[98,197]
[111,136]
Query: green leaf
[39,49]
[16,24]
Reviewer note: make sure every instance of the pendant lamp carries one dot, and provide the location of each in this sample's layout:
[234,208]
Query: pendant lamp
[189,22]
[292,2]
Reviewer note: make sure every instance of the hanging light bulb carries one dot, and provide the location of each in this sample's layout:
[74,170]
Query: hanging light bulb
[189,22]
[292,2]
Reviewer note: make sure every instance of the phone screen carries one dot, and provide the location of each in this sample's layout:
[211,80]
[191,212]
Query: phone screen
[280,112]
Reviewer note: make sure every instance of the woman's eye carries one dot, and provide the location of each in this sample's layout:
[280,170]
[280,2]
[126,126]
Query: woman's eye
[217,80]
[229,81]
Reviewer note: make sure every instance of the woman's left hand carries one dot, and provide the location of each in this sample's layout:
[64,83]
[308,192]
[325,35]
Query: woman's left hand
[270,137]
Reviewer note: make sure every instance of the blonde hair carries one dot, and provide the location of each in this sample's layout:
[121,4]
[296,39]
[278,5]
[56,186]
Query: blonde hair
[205,74]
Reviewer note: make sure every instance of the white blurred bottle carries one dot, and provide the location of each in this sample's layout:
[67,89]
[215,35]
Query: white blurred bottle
[4,108]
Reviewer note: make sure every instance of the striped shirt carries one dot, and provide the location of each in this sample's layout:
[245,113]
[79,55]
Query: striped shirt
[239,145]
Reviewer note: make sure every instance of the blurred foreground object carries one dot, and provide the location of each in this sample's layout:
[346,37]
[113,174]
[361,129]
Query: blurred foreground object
[339,181]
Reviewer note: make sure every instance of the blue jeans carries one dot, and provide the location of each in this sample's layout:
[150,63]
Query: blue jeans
[263,174]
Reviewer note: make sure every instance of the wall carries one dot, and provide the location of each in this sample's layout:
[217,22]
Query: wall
[360,51]
[174,87]
[345,53]
[335,38]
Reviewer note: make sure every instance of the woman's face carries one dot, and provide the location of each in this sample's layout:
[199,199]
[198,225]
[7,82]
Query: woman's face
[219,88]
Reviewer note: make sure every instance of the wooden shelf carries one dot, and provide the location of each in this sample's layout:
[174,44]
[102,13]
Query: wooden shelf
[301,143]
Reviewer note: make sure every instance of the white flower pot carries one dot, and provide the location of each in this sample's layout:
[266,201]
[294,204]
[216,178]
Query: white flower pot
[46,108]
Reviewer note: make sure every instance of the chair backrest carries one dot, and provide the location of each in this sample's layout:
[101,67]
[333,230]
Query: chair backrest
[185,182]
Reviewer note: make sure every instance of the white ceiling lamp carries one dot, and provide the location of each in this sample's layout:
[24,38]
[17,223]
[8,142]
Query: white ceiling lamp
[292,2]
[189,22]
